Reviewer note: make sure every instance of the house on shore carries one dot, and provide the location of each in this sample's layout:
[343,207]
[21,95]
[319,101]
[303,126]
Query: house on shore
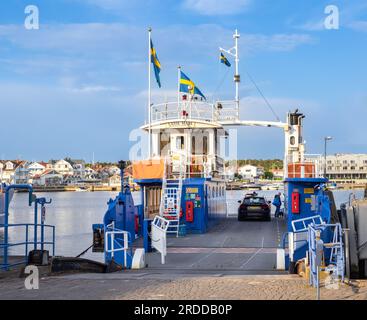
[48,178]
[36,168]
[61,166]
[250,172]
[21,174]
[7,171]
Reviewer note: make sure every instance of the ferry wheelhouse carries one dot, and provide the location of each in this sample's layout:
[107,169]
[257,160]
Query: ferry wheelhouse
[183,181]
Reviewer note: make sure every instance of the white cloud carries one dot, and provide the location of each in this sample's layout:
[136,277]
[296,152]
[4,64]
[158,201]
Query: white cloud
[95,88]
[126,44]
[107,4]
[217,7]
[313,26]
[276,42]
[358,26]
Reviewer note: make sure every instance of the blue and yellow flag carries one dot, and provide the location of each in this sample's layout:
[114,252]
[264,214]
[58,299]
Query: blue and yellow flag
[186,85]
[224,60]
[156,63]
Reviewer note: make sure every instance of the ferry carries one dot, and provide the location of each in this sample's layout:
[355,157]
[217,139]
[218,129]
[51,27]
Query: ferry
[183,187]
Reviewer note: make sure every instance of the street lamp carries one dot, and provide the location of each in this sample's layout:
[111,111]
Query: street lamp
[326,139]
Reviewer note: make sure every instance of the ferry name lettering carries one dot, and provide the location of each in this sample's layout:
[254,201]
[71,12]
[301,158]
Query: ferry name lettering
[180,123]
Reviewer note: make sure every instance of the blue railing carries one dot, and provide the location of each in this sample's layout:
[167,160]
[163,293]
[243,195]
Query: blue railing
[27,243]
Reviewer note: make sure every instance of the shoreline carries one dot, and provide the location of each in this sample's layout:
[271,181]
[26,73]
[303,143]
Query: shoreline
[75,189]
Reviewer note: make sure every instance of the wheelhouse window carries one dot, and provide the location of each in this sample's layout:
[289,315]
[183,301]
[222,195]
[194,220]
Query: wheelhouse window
[205,145]
[180,140]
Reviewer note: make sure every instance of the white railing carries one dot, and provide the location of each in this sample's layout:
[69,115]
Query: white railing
[116,246]
[226,111]
[193,165]
[196,110]
[301,225]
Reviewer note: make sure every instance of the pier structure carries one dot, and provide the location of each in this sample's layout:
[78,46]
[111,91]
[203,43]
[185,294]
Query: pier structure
[31,247]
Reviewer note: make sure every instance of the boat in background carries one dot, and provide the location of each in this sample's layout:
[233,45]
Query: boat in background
[82,189]
[251,186]
[273,186]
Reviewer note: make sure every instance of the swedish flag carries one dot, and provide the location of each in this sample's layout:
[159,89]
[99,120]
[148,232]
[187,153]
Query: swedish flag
[156,63]
[224,60]
[186,85]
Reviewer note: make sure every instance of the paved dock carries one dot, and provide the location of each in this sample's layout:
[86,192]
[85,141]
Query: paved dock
[145,285]
[235,260]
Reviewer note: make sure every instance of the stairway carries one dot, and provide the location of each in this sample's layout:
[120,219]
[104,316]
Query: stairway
[170,206]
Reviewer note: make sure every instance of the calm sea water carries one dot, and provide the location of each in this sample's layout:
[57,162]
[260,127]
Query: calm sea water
[73,214]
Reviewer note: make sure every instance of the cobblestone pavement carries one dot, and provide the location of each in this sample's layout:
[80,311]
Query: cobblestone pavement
[172,286]
[248,288]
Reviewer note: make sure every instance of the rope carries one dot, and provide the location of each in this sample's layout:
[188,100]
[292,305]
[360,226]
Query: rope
[84,252]
[262,95]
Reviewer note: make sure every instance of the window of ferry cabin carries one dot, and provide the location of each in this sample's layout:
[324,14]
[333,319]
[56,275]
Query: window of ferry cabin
[180,143]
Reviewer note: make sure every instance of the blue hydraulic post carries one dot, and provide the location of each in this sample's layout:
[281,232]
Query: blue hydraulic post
[6,211]
[35,236]
[146,235]
[119,218]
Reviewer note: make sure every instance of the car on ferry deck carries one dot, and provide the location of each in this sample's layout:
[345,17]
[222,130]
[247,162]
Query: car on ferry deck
[254,206]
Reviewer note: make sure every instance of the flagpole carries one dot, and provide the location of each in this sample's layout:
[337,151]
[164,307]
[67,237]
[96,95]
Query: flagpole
[149,93]
[178,89]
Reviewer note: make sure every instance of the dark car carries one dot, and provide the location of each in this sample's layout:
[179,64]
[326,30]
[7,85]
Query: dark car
[254,206]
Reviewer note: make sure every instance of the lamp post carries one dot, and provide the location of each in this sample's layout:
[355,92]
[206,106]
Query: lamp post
[326,139]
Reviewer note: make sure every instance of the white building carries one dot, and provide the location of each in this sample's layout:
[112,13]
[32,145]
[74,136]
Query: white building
[21,174]
[112,170]
[48,178]
[229,172]
[63,167]
[250,172]
[78,167]
[90,173]
[347,168]
[114,181]
[7,171]
[35,168]
[278,173]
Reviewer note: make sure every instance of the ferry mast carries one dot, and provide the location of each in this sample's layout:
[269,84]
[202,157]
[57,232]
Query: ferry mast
[237,79]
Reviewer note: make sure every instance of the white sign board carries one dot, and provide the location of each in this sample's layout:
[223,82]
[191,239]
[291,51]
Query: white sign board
[159,236]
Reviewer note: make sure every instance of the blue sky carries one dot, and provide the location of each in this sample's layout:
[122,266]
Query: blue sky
[79,84]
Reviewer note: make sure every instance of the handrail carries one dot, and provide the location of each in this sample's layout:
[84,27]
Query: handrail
[312,219]
[194,109]
[27,242]
[110,247]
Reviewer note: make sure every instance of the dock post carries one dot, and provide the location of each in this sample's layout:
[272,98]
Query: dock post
[35,224]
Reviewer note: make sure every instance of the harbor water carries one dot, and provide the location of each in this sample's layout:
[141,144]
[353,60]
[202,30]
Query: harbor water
[73,214]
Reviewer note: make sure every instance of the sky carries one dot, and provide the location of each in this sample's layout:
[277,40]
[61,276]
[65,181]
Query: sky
[77,86]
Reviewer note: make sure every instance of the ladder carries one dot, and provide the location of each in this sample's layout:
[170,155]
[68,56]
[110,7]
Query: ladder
[170,206]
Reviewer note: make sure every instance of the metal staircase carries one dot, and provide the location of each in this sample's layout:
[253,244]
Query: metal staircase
[170,206]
